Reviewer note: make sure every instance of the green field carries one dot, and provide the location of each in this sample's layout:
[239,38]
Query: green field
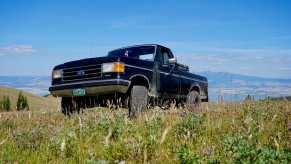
[250,132]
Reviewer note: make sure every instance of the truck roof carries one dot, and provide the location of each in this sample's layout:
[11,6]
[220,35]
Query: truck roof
[139,45]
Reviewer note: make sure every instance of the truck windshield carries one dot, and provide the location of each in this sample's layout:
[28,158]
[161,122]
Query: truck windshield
[140,52]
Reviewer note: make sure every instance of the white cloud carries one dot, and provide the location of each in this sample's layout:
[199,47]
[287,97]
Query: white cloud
[258,53]
[208,58]
[261,61]
[196,47]
[285,68]
[17,49]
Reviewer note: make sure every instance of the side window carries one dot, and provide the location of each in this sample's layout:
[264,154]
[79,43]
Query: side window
[165,58]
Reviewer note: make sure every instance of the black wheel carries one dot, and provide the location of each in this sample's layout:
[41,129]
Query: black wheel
[70,105]
[66,104]
[193,102]
[138,100]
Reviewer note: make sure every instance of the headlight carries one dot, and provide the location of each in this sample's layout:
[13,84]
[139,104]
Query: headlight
[113,67]
[57,74]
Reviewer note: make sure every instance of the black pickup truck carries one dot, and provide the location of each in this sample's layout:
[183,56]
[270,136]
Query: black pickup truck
[133,76]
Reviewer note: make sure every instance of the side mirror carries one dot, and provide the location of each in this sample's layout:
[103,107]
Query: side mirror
[173,60]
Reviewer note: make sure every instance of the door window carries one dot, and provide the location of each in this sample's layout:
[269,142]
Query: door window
[165,58]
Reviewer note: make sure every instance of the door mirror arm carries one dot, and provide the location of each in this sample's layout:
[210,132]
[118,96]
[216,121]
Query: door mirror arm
[173,60]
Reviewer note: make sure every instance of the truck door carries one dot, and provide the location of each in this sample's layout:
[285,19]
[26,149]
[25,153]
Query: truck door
[169,84]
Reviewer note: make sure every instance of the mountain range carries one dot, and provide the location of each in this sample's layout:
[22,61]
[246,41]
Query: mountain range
[233,87]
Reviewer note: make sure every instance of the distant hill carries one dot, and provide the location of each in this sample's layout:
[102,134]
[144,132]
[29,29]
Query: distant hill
[36,103]
[33,84]
[233,86]
[219,79]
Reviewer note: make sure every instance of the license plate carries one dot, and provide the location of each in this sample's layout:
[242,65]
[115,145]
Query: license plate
[79,92]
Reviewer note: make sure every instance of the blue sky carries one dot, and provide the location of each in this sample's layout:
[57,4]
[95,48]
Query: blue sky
[251,37]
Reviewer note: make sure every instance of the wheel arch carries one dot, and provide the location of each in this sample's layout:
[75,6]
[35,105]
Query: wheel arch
[195,87]
[139,79]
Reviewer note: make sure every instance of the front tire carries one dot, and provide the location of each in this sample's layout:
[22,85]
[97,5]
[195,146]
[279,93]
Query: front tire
[138,100]
[69,105]
[193,102]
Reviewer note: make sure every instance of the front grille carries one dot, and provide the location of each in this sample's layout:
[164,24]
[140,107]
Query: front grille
[82,73]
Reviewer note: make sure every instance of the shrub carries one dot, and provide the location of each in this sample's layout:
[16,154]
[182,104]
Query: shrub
[5,104]
[190,126]
[22,102]
[186,156]
[240,150]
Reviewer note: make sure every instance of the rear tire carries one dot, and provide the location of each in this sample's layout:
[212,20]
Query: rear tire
[193,102]
[138,100]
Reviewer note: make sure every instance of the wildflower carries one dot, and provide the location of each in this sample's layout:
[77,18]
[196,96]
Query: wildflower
[63,145]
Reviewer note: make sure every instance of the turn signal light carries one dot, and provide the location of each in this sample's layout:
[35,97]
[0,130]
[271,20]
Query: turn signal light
[118,67]
[113,67]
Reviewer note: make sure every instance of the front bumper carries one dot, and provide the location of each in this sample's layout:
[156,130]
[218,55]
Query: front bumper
[92,88]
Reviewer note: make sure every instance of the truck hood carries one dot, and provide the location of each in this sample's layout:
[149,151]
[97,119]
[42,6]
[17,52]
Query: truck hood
[87,61]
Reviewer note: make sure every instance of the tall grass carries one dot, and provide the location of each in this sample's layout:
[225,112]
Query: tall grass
[250,132]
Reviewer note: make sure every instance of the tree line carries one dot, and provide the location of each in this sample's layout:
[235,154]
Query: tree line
[22,103]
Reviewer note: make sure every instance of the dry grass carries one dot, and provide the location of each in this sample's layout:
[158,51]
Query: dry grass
[251,132]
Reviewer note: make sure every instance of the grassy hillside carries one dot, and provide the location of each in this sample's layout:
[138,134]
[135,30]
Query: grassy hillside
[249,132]
[36,103]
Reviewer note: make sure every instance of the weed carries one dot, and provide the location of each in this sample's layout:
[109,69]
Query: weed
[248,132]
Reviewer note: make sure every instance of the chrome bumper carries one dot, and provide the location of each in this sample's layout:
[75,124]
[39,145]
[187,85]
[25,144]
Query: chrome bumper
[92,88]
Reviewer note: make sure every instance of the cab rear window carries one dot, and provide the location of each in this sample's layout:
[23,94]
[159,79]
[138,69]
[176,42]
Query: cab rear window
[140,52]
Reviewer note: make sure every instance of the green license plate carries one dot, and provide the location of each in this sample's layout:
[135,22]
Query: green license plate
[79,92]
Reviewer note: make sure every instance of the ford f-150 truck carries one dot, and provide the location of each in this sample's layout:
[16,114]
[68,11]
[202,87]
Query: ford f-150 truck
[132,75]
